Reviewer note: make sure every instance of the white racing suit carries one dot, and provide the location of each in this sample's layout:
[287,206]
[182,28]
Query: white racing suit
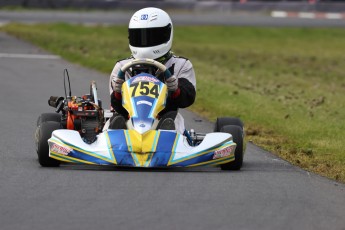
[183,97]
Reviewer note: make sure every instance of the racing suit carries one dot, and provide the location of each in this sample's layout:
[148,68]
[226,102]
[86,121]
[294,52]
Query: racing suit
[183,97]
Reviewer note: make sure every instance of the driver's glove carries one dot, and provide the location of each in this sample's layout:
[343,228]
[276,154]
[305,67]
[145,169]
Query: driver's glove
[117,84]
[172,83]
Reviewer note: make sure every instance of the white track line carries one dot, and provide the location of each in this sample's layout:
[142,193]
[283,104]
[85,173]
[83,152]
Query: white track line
[333,16]
[279,14]
[307,15]
[28,56]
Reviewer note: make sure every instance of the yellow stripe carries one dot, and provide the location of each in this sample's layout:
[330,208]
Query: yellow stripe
[214,162]
[154,147]
[148,141]
[133,139]
[224,162]
[72,159]
[60,159]
[160,104]
[127,102]
[127,141]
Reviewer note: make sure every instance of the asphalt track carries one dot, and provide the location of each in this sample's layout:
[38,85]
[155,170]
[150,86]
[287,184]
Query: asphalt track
[268,193]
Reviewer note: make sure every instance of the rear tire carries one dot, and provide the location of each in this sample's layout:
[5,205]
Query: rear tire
[237,136]
[48,117]
[223,121]
[43,133]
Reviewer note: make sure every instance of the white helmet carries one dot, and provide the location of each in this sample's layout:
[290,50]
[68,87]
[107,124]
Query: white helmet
[150,33]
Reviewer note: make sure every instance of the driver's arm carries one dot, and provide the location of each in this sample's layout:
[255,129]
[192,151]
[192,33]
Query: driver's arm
[115,97]
[185,94]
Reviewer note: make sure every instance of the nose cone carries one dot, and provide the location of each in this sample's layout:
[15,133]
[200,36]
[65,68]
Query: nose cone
[142,126]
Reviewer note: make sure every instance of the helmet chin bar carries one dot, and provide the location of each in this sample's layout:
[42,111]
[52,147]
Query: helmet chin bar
[151,52]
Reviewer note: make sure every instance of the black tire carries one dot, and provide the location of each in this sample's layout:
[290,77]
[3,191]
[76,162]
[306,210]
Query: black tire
[223,121]
[43,133]
[48,117]
[237,135]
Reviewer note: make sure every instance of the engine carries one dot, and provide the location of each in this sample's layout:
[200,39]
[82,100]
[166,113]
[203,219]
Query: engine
[84,116]
[81,114]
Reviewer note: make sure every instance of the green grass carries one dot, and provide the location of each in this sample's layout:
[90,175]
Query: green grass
[287,85]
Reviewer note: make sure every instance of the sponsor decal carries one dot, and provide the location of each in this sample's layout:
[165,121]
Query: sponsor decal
[223,152]
[144,102]
[144,17]
[145,78]
[60,149]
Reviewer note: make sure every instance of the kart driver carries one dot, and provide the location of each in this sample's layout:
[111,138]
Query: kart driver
[150,36]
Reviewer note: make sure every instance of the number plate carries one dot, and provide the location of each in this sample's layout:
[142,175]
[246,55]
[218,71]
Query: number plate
[144,89]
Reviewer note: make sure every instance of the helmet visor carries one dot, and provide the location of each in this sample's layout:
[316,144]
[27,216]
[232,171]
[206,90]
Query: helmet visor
[147,37]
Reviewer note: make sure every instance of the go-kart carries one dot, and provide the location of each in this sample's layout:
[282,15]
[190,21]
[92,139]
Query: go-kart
[76,133]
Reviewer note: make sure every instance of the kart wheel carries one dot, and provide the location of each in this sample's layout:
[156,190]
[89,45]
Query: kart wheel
[223,121]
[237,136]
[48,117]
[43,133]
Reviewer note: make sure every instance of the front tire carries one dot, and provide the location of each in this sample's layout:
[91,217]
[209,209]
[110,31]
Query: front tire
[223,121]
[237,136]
[43,133]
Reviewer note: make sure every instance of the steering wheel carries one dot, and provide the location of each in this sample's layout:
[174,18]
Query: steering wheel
[144,61]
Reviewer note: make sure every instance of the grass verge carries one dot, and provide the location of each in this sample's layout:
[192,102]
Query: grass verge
[286,84]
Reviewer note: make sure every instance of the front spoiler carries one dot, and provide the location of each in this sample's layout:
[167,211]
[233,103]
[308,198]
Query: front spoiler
[155,148]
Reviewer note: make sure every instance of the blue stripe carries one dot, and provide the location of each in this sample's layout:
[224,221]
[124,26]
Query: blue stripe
[164,149]
[83,156]
[155,141]
[63,157]
[120,148]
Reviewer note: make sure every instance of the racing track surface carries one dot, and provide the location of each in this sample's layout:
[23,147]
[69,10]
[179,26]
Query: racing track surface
[268,193]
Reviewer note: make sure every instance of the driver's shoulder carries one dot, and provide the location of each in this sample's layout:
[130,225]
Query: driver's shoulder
[179,58]
[124,61]
[179,63]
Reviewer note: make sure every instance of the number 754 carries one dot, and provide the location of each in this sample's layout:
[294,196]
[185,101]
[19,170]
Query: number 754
[144,89]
